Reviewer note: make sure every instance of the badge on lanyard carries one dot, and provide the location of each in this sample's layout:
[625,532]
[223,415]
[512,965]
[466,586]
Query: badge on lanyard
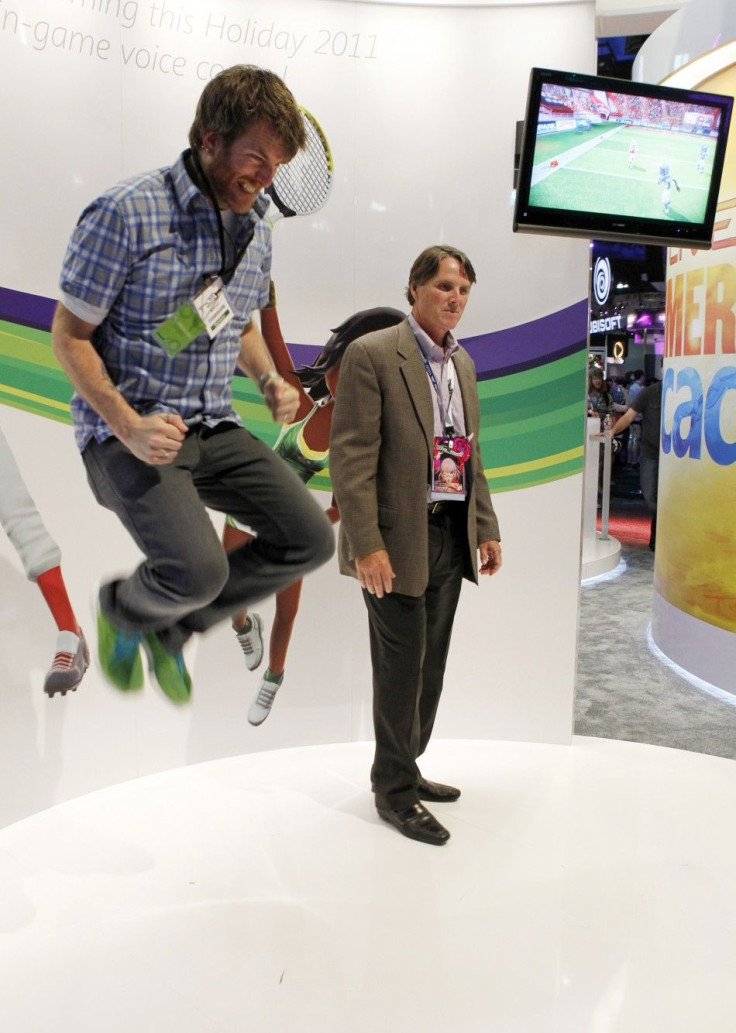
[213,307]
[450,455]
[210,310]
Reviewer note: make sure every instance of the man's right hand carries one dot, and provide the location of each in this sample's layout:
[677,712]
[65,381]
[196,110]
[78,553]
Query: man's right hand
[375,572]
[155,439]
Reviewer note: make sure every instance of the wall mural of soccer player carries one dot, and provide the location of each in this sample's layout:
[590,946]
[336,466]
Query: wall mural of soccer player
[304,445]
[41,558]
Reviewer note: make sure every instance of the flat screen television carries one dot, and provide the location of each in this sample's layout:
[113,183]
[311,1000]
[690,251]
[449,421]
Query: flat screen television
[616,160]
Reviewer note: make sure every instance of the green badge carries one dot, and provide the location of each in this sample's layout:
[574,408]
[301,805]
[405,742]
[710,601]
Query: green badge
[179,330]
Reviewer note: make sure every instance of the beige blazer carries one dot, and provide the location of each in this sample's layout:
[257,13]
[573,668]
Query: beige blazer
[381,457]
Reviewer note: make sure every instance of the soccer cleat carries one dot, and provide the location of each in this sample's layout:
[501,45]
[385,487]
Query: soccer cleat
[119,654]
[167,670]
[70,663]
[250,638]
[260,708]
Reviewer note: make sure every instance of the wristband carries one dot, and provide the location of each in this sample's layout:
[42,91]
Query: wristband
[266,377]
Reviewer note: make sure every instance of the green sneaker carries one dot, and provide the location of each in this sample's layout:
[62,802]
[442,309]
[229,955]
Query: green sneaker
[167,670]
[119,655]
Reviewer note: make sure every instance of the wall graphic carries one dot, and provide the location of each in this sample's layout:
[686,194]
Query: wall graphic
[694,616]
[694,607]
[126,75]
[530,386]
[420,108]
[698,440]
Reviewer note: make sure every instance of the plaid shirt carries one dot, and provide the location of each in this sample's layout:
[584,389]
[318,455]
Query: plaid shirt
[137,254]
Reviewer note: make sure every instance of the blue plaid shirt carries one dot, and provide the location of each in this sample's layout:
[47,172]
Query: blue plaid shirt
[138,253]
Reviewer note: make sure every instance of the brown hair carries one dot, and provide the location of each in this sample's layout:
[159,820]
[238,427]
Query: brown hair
[244,94]
[428,263]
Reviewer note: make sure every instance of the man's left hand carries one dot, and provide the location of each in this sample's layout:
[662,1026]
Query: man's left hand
[282,399]
[490,557]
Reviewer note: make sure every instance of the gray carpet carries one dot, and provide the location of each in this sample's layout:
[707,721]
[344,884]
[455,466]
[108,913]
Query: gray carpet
[623,691]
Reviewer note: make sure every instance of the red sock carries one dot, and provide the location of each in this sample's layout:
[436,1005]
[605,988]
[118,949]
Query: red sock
[54,592]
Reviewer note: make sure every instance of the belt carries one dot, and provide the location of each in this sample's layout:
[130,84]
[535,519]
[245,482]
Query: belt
[437,509]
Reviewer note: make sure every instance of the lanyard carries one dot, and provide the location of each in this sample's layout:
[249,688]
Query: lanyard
[226,271]
[445,416]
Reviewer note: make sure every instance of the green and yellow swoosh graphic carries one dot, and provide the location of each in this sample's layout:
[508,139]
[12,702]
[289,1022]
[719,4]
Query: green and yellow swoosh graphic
[531,382]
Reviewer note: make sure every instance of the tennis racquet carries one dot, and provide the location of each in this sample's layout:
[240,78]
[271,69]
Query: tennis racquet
[303,185]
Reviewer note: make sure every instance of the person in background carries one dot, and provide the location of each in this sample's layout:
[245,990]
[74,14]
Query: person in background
[159,286]
[638,381]
[618,394]
[620,405]
[647,405]
[600,402]
[407,397]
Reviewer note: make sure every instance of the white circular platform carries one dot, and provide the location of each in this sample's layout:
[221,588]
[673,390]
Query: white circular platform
[585,888]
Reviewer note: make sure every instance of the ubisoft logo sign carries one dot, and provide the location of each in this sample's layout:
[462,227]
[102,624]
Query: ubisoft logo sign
[602,280]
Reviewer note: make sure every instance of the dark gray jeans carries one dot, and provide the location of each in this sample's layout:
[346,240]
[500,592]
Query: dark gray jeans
[648,480]
[187,582]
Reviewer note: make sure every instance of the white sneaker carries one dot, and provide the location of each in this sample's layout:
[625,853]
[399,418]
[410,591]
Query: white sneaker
[260,708]
[69,665]
[251,641]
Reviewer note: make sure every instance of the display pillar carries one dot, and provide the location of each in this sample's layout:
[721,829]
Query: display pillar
[694,614]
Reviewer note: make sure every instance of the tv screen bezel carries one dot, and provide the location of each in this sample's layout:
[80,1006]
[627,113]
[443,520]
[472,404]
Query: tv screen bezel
[530,218]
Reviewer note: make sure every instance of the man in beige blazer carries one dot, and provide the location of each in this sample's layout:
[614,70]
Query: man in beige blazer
[403,391]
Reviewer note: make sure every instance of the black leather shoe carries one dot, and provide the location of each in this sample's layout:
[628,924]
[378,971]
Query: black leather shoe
[417,823]
[436,792]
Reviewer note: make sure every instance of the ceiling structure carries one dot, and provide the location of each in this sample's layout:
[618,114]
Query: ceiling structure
[613,17]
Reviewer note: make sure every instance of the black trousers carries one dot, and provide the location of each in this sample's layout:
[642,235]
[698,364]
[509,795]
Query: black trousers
[187,583]
[410,640]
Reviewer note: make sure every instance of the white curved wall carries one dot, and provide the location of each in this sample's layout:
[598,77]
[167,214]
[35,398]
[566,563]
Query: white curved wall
[421,122]
[695,31]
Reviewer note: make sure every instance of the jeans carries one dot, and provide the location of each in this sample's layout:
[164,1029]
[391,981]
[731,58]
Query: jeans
[187,583]
[648,480]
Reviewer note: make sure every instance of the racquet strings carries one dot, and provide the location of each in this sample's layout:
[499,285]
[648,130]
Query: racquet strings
[303,184]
